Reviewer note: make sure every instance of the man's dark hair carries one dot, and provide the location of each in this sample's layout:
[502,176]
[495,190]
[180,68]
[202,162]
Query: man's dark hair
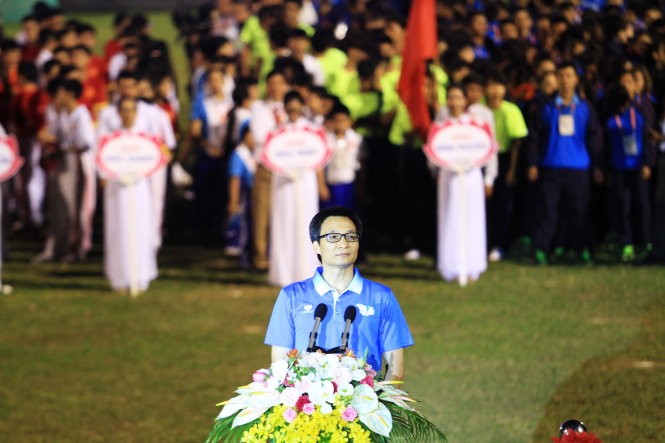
[28,71]
[293,95]
[334,211]
[566,65]
[127,74]
[72,86]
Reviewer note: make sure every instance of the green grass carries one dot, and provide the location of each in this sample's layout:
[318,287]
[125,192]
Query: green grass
[503,360]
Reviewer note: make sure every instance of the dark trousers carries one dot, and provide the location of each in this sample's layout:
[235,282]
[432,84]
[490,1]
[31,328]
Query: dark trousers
[659,209]
[417,201]
[632,197]
[211,192]
[563,201]
[500,207]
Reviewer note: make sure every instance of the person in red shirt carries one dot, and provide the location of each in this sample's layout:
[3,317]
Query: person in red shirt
[27,109]
[29,38]
[87,37]
[94,81]
[121,21]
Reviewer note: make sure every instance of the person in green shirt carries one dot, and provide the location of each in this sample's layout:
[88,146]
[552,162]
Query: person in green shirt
[346,82]
[329,57]
[510,129]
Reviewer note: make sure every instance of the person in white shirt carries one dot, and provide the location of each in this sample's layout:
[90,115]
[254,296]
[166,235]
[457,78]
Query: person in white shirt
[267,114]
[130,258]
[299,44]
[209,125]
[72,130]
[341,171]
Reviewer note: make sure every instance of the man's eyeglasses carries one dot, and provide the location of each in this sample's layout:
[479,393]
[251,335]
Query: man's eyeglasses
[335,237]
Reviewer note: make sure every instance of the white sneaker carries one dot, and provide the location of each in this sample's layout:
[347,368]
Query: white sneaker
[412,254]
[495,255]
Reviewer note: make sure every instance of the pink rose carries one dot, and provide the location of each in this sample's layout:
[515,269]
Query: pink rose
[259,376]
[308,408]
[369,381]
[349,414]
[290,415]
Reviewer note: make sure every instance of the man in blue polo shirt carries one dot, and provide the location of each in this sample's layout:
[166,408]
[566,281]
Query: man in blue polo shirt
[564,148]
[379,331]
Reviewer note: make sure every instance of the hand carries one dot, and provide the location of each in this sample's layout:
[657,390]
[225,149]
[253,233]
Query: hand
[214,152]
[233,208]
[532,174]
[646,173]
[511,177]
[488,191]
[598,176]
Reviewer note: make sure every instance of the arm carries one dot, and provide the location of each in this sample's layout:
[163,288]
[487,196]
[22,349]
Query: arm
[324,192]
[532,144]
[278,353]
[234,195]
[594,143]
[511,175]
[394,363]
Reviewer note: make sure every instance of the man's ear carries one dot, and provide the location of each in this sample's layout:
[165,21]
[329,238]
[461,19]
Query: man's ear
[317,247]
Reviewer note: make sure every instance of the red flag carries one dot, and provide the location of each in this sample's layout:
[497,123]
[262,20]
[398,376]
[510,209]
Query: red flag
[419,45]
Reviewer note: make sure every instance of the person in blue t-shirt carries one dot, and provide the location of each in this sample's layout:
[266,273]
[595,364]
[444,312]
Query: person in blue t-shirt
[379,332]
[242,166]
[564,147]
[632,158]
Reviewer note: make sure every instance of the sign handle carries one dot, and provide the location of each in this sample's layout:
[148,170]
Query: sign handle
[133,252]
[299,228]
[463,277]
[2,234]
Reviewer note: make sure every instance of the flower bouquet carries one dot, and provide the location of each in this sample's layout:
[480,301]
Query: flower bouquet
[316,397]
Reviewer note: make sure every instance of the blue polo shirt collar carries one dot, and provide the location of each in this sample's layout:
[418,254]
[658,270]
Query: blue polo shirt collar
[322,287]
[558,101]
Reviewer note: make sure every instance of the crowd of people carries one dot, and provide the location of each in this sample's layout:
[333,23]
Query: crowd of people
[573,92]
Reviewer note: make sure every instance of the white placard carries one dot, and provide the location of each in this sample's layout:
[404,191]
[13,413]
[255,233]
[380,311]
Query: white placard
[10,159]
[459,145]
[291,149]
[125,156]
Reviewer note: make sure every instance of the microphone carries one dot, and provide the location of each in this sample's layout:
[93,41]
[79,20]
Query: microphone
[349,317]
[319,314]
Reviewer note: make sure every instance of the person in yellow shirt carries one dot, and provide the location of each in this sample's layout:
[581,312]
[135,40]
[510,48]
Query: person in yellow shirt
[510,128]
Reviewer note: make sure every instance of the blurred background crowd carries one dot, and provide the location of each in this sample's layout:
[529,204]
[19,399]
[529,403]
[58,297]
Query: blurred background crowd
[589,70]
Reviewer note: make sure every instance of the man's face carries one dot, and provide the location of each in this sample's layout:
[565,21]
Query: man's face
[342,253]
[276,87]
[128,87]
[474,92]
[567,78]
[495,91]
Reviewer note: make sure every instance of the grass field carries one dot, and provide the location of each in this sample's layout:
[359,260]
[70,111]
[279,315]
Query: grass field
[503,360]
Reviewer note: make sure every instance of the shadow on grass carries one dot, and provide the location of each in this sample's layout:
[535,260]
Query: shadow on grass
[611,393]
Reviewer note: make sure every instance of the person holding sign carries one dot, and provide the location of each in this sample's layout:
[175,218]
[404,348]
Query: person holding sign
[129,249]
[461,253]
[295,200]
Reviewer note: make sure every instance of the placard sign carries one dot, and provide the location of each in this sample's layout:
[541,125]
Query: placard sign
[10,159]
[125,156]
[459,145]
[290,149]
